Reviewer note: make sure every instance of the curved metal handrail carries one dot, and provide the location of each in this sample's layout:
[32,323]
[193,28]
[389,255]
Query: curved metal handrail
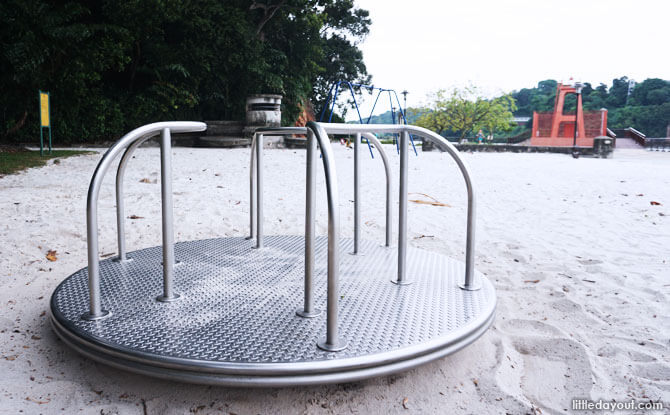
[469,283]
[254,191]
[120,205]
[332,342]
[315,133]
[387,169]
[96,312]
[469,280]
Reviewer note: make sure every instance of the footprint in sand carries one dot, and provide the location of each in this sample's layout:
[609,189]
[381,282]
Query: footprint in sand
[611,351]
[518,327]
[656,372]
[555,368]
[567,306]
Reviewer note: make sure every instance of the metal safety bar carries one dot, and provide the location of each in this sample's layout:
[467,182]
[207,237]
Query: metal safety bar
[470,283]
[332,342]
[254,167]
[256,215]
[469,280]
[401,278]
[120,204]
[128,141]
[315,134]
[256,210]
[389,197]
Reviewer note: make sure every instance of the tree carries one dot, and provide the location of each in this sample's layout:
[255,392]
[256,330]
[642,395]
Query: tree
[111,66]
[465,110]
[652,91]
[343,29]
[618,93]
[652,120]
[499,117]
[597,98]
[434,117]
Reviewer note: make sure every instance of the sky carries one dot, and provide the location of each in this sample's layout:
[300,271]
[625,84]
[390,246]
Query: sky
[504,45]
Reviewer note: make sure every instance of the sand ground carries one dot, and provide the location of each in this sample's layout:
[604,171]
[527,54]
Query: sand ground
[579,256]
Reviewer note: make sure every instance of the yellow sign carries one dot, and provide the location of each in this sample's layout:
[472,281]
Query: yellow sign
[44,109]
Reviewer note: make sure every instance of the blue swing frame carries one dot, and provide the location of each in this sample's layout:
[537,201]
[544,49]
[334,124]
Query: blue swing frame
[391,92]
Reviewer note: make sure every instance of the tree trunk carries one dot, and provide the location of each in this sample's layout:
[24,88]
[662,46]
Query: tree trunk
[134,65]
[18,125]
[268,12]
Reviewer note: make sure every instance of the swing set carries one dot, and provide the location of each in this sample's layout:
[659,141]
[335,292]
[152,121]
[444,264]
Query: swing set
[335,90]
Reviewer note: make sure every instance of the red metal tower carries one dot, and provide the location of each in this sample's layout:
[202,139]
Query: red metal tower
[558,128]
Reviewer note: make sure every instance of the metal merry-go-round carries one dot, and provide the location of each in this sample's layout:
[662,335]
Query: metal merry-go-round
[273,310]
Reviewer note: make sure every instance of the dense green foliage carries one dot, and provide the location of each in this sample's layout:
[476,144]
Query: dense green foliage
[388,117]
[464,111]
[111,66]
[646,109]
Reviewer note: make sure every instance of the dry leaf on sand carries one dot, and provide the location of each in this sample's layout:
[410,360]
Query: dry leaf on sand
[433,202]
[37,401]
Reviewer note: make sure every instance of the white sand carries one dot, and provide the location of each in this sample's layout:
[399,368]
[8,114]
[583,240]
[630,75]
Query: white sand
[596,324]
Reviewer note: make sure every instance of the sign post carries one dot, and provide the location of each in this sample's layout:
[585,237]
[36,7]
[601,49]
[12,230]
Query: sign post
[45,120]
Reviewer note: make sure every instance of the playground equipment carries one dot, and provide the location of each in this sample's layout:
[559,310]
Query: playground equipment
[558,129]
[246,311]
[335,90]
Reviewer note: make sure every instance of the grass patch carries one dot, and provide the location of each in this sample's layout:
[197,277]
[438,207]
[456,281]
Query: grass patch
[16,160]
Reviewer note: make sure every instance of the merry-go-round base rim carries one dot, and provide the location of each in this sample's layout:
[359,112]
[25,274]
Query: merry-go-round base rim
[235,323]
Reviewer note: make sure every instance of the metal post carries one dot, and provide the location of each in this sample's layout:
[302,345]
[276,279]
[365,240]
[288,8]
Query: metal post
[575,153]
[120,208]
[332,343]
[253,182]
[402,212]
[357,195]
[49,111]
[259,191]
[252,189]
[50,131]
[308,310]
[168,221]
[389,201]
[578,90]
[120,205]
[95,310]
[471,281]
[470,284]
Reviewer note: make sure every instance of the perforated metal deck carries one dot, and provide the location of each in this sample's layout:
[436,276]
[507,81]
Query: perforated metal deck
[235,323]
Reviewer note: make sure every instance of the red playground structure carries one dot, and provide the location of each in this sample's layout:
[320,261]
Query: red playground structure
[557,128]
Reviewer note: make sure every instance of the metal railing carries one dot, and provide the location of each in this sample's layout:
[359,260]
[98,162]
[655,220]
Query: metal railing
[657,144]
[318,132]
[130,142]
[405,131]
